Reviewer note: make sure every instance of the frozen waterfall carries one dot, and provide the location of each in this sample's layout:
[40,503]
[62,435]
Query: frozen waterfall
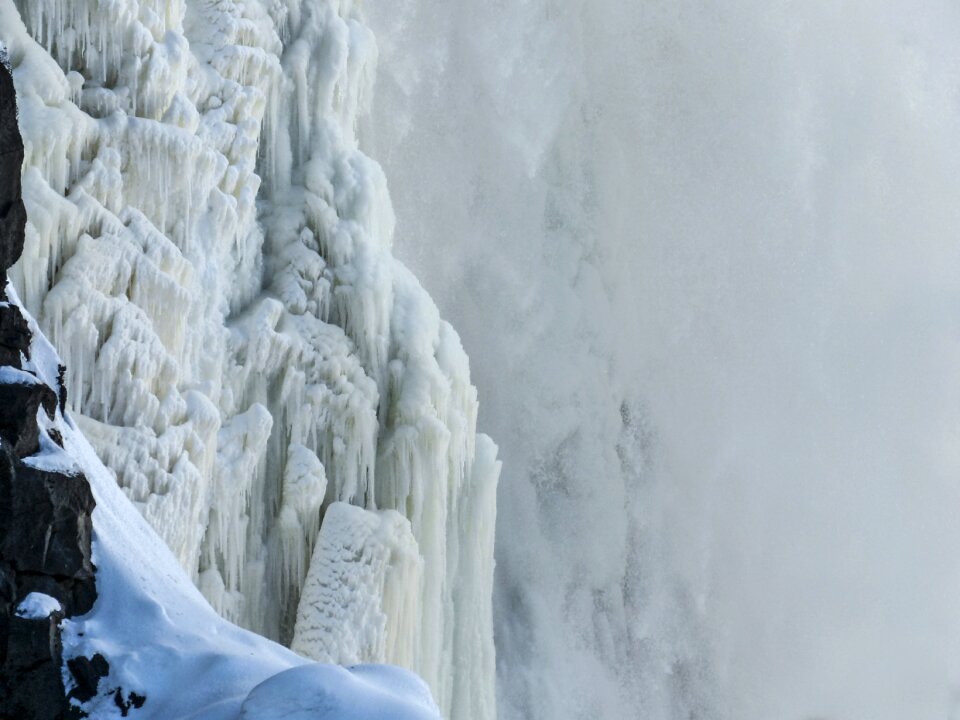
[210,251]
[702,255]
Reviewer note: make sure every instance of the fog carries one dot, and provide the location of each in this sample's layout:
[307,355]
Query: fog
[705,258]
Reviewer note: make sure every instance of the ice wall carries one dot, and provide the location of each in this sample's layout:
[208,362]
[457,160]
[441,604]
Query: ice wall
[211,252]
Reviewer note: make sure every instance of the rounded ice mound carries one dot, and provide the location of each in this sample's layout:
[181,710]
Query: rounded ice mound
[326,692]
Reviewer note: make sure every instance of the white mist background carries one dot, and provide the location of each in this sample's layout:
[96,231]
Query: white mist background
[705,258]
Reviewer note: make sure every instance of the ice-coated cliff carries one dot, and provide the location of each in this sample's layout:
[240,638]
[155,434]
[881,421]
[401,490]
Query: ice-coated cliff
[209,250]
[129,633]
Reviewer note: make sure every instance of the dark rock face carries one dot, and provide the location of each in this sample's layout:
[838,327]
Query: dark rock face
[13,215]
[86,673]
[15,334]
[20,402]
[45,515]
[45,530]
[32,669]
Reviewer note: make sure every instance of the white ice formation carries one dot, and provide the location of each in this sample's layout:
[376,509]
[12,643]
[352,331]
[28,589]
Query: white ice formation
[209,250]
[367,562]
[170,655]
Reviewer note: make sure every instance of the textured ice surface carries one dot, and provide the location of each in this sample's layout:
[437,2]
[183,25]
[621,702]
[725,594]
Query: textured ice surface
[209,250]
[363,589]
[165,651]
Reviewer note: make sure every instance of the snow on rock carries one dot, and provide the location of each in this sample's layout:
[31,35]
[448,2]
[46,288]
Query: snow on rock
[171,656]
[37,606]
[209,249]
[161,638]
[46,573]
[128,630]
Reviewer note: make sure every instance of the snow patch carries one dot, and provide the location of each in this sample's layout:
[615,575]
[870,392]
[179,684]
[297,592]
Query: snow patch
[37,606]
[328,692]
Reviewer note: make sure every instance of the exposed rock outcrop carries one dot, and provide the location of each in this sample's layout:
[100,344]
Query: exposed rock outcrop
[13,216]
[46,572]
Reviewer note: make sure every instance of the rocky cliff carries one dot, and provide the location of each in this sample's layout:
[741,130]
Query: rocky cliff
[46,573]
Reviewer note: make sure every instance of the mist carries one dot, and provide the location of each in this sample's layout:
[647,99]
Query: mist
[704,258]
